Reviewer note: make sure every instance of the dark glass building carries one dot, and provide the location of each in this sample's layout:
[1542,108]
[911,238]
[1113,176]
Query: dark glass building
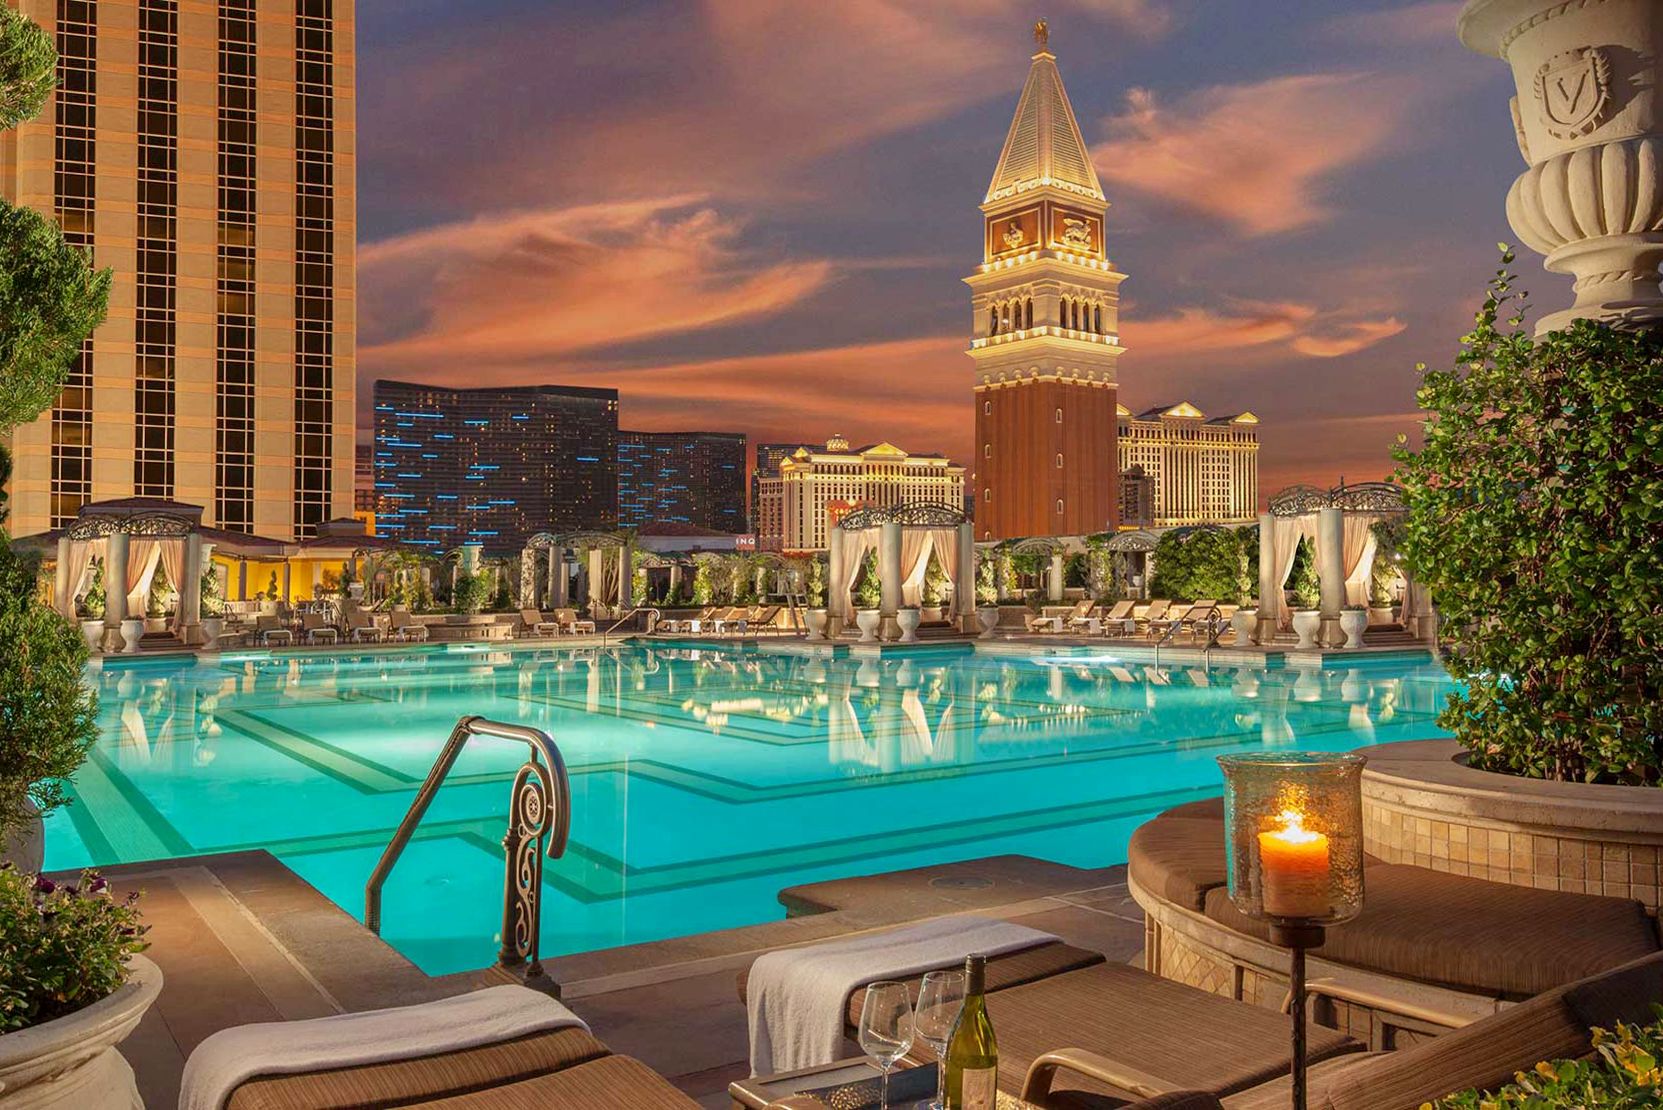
[693,478]
[493,466]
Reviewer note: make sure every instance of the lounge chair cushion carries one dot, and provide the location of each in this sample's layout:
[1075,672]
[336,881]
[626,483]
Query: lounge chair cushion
[422,1079]
[1175,1100]
[1179,859]
[610,1083]
[1473,934]
[1189,1037]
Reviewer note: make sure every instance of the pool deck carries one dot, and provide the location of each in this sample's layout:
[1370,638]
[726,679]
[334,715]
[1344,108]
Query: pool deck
[240,938]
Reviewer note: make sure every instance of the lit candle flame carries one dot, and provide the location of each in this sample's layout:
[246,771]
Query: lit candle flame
[1293,828]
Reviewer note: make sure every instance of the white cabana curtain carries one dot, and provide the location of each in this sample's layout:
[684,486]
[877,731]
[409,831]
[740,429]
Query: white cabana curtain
[80,561]
[1286,533]
[945,543]
[915,561]
[142,556]
[173,561]
[856,546]
[1359,544]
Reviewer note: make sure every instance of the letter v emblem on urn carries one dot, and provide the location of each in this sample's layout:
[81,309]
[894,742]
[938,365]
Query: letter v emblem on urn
[1574,90]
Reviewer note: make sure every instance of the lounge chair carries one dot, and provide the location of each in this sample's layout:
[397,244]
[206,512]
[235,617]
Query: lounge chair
[1156,627]
[567,621]
[765,619]
[533,624]
[735,618]
[1082,616]
[1119,619]
[362,627]
[270,630]
[688,624]
[406,628]
[1157,610]
[1197,620]
[317,630]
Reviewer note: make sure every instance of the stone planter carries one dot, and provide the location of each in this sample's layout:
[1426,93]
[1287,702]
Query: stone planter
[1352,623]
[1244,621]
[1306,624]
[933,614]
[867,620]
[988,618]
[212,629]
[25,848]
[1423,805]
[816,621]
[155,624]
[1588,118]
[132,631]
[1381,614]
[907,620]
[72,1063]
[94,633]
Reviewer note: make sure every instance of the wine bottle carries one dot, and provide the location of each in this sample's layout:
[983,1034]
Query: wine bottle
[972,1052]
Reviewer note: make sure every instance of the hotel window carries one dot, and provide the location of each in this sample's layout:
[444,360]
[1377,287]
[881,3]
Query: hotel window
[1059,462]
[987,450]
[1059,506]
[155,329]
[314,338]
[234,351]
[987,408]
[1059,416]
[73,181]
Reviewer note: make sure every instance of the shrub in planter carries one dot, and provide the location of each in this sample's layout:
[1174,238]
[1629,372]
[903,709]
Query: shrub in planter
[1303,581]
[934,589]
[62,947]
[47,713]
[1624,1073]
[470,592]
[1536,521]
[868,592]
[987,592]
[162,594]
[93,601]
[213,602]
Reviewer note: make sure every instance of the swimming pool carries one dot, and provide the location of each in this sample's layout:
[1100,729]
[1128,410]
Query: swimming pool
[704,778]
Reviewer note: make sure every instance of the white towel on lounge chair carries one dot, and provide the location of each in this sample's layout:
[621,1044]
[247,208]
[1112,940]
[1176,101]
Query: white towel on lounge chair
[231,1057]
[797,996]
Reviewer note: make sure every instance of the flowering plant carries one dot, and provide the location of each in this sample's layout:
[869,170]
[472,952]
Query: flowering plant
[1622,1074]
[63,946]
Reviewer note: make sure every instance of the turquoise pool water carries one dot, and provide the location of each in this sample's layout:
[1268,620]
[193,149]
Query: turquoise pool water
[704,779]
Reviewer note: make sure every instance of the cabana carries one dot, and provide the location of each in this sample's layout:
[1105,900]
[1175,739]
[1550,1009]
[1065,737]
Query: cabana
[1132,555]
[605,581]
[904,536]
[1339,523]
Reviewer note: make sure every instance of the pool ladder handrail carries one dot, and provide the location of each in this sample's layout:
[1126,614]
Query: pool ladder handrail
[650,610]
[539,810]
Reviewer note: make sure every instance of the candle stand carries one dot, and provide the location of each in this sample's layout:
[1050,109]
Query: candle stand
[1294,823]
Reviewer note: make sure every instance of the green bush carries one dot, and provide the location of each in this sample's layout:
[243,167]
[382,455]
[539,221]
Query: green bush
[1191,564]
[62,947]
[470,592]
[28,68]
[934,589]
[816,586]
[93,600]
[987,592]
[1622,1074]
[213,602]
[47,712]
[162,594]
[1536,521]
[1303,581]
[869,590]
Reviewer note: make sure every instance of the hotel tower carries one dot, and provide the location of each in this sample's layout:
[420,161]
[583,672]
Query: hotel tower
[1046,316]
[205,151]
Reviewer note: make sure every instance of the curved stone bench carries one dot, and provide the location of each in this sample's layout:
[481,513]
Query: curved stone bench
[1431,951]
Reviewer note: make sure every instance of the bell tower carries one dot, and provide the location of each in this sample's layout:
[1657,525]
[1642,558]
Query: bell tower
[1046,322]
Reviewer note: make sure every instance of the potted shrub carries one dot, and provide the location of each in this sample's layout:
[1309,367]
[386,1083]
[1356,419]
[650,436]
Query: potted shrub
[162,598]
[72,986]
[987,599]
[868,595]
[470,594]
[1353,620]
[907,618]
[91,607]
[1306,589]
[47,712]
[213,609]
[815,591]
[933,593]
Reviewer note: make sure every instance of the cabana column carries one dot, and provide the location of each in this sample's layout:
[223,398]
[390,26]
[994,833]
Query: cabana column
[1270,589]
[1331,570]
[835,576]
[115,591]
[63,589]
[1053,585]
[190,592]
[889,576]
[964,585]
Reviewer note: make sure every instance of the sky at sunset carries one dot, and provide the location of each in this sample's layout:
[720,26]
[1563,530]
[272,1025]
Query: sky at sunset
[755,216]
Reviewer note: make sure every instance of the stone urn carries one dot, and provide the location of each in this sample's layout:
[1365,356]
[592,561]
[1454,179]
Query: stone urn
[907,619]
[71,1063]
[1306,624]
[94,633]
[1588,117]
[867,620]
[987,616]
[212,629]
[1352,623]
[816,621]
[132,631]
[1244,621]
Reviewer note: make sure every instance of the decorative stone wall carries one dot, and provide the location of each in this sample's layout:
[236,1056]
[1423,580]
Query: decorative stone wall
[1423,806]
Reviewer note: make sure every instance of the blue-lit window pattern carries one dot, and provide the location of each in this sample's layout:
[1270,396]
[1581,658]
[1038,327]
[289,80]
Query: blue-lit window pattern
[692,478]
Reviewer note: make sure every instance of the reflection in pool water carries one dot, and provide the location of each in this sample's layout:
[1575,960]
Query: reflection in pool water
[704,779]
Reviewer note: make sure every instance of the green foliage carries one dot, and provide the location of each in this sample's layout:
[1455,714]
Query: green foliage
[162,594]
[504,599]
[28,68]
[1247,538]
[1200,563]
[933,590]
[470,592]
[703,588]
[869,589]
[93,600]
[1622,1074]
[1004,574]
[816,583]
[420,594]
[1303,581]
[987,590]
[47,712]
[213,602]
[1536,521]
[62,947]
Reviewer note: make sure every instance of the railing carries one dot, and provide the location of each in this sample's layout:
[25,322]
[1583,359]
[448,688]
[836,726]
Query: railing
[539,809]
[613,627]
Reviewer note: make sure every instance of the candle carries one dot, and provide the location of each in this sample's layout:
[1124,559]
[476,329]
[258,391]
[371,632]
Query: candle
[1293,861]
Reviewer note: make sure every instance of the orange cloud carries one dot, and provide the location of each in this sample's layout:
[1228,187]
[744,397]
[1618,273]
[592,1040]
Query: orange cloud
[1348,339]
[1256,155]
[1243,326]
[540,285]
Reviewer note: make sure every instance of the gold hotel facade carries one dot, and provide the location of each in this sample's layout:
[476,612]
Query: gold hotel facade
[206,152]
[798,506]
[1198,470]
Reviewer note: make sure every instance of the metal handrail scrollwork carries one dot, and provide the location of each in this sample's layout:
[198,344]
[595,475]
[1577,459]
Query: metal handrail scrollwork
[540,811]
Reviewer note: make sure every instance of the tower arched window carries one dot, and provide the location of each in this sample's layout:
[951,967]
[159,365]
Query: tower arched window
[1076,315]
[1063,313]
[1059,506]
[1028,313]
[1059,461]
[993,321]
[987,450]
[1059,416]
[987,407]
[1005,318]
[1099,313]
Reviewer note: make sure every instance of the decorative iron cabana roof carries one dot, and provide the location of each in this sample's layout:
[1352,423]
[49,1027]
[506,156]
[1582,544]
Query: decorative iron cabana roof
[911,514]
[1360,497]
[135,516]
[1139,540]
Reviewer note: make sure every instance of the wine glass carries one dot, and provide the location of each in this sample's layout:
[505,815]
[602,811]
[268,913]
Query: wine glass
[886,1029]
[940,998]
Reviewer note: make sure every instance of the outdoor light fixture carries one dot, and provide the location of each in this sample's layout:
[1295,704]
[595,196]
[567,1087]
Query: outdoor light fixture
[1294,828]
